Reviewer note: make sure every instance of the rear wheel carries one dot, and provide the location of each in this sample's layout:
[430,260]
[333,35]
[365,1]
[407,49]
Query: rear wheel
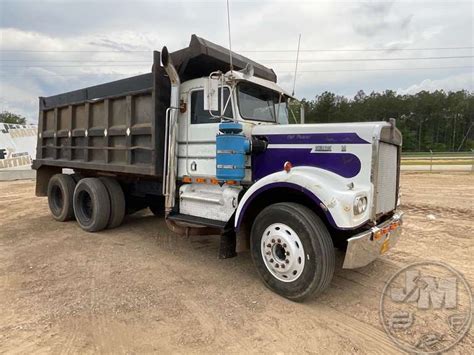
[76,177]
[117,201]
[91,204]
[292,251]
[60,197]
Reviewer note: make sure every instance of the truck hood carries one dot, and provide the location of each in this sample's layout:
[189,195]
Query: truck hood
[324,133]
[344,149]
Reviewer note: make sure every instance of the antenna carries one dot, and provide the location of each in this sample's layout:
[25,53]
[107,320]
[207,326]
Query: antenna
[230,40]
[296,66]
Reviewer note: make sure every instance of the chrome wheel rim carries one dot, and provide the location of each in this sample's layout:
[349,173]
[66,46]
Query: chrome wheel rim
[282,252]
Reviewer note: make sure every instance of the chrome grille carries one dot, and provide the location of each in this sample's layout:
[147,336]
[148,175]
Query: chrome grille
[387,173]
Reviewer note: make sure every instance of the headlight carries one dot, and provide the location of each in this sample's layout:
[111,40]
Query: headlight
[360,205]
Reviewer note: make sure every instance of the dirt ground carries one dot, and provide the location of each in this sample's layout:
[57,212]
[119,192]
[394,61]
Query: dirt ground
[140,289]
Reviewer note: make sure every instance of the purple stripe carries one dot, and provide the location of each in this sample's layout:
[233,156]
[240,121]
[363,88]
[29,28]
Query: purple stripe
[275,185]
[272,160]
[315,138]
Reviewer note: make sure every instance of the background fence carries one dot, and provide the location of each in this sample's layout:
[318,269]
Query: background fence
[438,161]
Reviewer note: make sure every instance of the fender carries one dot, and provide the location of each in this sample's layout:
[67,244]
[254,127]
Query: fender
[333,193]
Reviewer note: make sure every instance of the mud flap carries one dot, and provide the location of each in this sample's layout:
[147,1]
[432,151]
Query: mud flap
[228,244]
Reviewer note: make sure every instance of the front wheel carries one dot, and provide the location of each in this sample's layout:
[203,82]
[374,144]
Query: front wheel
[292,251]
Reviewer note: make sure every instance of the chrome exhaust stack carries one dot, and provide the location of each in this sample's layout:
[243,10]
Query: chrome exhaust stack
[170,161]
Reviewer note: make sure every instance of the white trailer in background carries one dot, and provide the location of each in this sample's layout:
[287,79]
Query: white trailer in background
[17,151]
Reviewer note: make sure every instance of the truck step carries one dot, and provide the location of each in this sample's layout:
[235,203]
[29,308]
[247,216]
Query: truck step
[211,198]
[184,218]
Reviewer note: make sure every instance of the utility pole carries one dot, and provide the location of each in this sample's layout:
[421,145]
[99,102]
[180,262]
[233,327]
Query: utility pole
[419,136]
[454,132]
[464,138]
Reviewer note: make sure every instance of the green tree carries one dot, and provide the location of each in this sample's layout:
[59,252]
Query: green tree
[428,120]
[9,117]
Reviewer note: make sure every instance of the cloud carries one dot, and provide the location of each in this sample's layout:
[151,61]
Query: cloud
[97,28]
[372,19]
[20,101]
[451,83]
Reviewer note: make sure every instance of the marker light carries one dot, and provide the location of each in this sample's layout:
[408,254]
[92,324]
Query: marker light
[287,166]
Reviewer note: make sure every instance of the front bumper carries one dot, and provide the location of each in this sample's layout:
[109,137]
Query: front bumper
[365,247]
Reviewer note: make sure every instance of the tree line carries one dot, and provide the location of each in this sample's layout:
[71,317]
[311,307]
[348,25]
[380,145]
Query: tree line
[10,117]
[440,121]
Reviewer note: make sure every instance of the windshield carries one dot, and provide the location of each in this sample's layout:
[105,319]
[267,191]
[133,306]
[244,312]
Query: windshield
[261,104]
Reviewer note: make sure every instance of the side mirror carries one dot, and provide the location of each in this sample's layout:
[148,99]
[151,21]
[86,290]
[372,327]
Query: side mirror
[211,96]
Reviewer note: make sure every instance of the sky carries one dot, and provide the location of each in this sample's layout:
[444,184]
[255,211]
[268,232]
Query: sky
[52,46]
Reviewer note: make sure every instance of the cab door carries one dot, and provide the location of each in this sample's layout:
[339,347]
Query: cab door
[198,130]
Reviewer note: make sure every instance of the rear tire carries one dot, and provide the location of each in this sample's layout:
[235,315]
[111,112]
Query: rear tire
[292,251]
[76,177]
[117,201]
[60,197]
[91,204]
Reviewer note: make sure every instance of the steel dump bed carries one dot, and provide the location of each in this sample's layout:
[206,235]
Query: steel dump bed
[119,127]
[114,127]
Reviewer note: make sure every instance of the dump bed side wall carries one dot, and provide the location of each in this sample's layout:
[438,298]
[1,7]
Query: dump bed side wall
[116,127]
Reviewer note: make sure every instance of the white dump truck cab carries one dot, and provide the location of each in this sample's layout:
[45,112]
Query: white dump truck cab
[249,101]
[336,184]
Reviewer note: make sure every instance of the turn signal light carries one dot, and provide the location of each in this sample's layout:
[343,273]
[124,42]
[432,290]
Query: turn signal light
[385,230]
[378,234]
[187,179]
[287,166]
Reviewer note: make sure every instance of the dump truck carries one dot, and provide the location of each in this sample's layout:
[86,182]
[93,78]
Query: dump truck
[206,141]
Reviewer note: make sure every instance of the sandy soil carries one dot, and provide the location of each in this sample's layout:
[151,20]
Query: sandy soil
[140,289]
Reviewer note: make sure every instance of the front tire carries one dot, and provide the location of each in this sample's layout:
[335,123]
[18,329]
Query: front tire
[292,251]
[91,204]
